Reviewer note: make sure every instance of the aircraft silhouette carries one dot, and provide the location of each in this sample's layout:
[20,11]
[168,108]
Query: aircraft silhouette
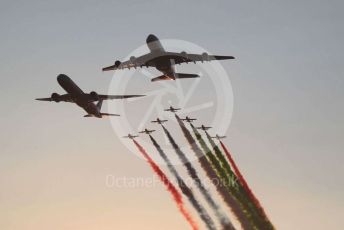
[218,137]
[158,121]
[171,109]
[83,100]
[130,136]
[204,128]
[188,119]
[164,61]
[147,131]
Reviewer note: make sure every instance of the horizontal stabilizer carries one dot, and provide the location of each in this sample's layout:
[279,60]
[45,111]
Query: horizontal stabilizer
[176,76]
[161,78]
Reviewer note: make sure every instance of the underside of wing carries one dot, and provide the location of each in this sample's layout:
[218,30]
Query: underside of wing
[133,62]
[57,98]
[44,99]
[184,57]
[112,97]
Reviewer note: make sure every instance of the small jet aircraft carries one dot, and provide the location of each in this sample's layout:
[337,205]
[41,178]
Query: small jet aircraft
[171,109]
[218,137]
[188,119]
[204,128]
[130,136]
[164,61]
[147,131]
[158,121]
[84,100]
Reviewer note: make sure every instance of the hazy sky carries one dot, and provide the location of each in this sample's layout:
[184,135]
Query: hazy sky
[286,132]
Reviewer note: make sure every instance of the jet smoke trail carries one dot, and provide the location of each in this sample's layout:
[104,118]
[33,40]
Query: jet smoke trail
[170,187]
[231,202]
[250,212]
[193,174]
[224,163]
[212,159]
[246,187]
[184,188]
[250,201]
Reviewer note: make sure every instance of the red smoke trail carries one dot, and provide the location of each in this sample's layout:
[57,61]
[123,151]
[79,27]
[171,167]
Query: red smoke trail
[170,187]
[243,181]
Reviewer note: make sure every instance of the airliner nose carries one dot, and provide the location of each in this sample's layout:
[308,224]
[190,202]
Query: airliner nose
[151,38]
[62,78]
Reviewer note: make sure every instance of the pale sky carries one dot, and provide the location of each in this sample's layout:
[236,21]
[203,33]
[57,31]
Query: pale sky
[287,127]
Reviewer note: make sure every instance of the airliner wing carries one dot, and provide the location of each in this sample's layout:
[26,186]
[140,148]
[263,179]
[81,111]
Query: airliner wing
[133,62]
[57,98]
[183,57]
[101,97]
[112,97]
[150,59]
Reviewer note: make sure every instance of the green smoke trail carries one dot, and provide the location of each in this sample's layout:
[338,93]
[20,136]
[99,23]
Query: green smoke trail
[231,201]
[184,188]
[258,217]
[220,157]
[245,186]
[194,175]
[259,221]
[228,178]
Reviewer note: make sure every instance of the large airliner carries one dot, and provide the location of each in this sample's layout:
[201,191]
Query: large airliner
[84,100]
[164,61]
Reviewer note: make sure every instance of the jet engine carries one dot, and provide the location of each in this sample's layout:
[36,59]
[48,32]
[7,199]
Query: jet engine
[205,56]
[55,97]
[118,63]
[132,59]
[184,54]
[94,96]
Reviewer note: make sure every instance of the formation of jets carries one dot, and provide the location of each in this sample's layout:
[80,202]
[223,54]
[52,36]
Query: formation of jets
[164,61]
[84,100]
[186,119]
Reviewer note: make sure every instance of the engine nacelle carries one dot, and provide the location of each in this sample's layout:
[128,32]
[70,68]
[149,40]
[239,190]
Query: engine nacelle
[205,56]
[94,96]
[184,54]
[55,97]
[132,59]
[118,63]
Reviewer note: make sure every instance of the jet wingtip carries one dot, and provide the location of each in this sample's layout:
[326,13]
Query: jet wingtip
[41,99]
[108,68]
[229,57]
